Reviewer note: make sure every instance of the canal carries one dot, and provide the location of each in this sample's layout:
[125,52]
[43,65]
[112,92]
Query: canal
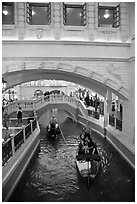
[52,175]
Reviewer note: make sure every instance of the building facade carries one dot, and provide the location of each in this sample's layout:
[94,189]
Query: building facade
[88,43]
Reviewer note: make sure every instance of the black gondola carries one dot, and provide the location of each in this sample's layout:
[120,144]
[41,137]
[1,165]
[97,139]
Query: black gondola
[53,130]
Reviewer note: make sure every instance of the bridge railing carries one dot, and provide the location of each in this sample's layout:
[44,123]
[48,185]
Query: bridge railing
[15,141]
[43,100]
[26,105]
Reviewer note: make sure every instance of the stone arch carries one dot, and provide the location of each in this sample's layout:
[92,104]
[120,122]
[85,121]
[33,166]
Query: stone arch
[72,112]
[84,78]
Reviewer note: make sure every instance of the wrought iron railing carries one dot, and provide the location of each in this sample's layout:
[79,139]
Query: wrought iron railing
[27,130]
[18,140]
[12,144]
[34,125]
[6,151]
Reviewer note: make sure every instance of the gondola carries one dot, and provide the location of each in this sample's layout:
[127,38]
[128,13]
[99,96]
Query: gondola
[88,164]
[53,130]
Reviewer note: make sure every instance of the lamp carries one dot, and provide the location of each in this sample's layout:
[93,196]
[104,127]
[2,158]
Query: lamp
[106,15]
[5,11]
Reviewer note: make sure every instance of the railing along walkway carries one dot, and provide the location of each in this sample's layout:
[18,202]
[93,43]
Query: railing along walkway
[11,145]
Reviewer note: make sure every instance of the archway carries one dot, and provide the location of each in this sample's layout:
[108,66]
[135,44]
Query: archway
[18,77]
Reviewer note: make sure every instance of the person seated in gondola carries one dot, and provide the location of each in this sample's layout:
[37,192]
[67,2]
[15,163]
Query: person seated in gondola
[89,145]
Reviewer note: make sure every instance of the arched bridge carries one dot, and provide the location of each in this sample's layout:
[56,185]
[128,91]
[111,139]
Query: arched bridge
[71,105]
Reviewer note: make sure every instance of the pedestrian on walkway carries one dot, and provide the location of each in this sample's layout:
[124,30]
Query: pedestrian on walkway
[19,115]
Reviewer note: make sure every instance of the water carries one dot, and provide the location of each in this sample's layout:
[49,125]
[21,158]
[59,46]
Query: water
[52,175]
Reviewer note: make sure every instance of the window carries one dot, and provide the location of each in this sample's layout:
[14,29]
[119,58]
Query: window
[7,13]
[74,15]
[108,16]
[39,13]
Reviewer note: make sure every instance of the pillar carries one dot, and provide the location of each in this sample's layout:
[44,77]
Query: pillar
[107,107]
[57,19]
[21,20]
[124,22]
[90,20]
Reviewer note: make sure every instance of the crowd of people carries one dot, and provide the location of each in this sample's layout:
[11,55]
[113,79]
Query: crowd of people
[90,100]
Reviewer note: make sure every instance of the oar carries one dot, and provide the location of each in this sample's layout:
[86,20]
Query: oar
[63,136]
[88,157]
[88,176]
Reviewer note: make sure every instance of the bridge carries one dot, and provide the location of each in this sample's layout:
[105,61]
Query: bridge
[79,113]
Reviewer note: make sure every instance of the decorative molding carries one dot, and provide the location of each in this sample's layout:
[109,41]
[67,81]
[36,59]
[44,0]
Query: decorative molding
[114,71]
[62,42]
[39,33]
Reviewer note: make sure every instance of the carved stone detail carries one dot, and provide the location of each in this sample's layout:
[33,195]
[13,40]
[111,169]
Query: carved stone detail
[39,33]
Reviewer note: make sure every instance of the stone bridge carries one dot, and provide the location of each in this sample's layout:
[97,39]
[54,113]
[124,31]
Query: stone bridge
[71,105]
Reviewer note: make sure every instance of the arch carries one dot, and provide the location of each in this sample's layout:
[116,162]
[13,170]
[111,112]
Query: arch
[73,112]
[18,77]
[56,92]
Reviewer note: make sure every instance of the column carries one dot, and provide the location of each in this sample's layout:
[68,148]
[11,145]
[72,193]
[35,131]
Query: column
[57,19]
[107,107]
[123,21]
[91,20]
[21,20]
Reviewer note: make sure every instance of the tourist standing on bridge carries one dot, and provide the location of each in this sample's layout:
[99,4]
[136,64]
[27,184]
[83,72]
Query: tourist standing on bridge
[19,115]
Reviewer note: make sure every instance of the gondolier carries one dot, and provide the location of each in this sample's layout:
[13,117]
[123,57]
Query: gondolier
[87,130]
[53,129]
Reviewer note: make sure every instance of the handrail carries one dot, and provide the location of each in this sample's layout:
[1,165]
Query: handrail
[12,144]
[6,151]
